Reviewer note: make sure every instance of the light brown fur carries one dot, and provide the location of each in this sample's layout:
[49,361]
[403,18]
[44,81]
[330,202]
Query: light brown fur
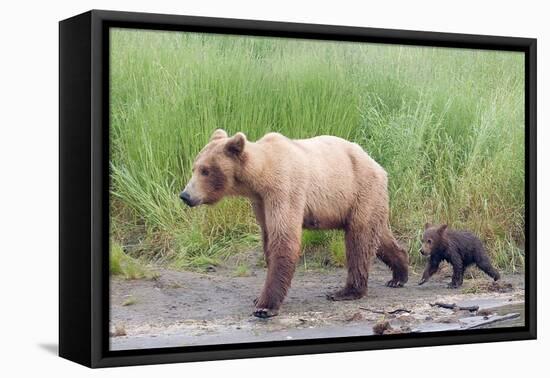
[320,183]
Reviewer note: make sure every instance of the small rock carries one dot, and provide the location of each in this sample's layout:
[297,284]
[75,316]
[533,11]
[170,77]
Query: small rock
[119,331]
[381,327]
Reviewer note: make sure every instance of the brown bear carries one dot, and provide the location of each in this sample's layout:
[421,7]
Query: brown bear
[459,248]
[319,183]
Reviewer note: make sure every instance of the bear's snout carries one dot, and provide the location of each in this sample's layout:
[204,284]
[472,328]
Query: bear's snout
[185,197]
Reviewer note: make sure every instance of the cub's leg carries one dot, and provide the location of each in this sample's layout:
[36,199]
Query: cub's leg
[431,269]
[458,273]
[485,265]
[395,257]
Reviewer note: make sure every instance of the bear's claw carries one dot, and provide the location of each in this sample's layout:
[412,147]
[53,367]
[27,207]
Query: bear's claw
[265,313]
[344,295]
[394,283]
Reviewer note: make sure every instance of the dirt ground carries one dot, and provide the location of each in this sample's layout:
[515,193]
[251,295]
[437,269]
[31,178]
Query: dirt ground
[189,308]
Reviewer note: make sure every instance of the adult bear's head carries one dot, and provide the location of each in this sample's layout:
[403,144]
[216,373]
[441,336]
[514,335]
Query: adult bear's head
[216,169]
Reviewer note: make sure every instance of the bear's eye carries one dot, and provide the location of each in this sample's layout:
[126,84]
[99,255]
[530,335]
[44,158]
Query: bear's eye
[429,241]
[204,171]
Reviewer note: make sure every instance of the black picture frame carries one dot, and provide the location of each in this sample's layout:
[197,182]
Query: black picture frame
[84,187]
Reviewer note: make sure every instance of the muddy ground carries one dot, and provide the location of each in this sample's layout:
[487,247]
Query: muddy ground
[197,308]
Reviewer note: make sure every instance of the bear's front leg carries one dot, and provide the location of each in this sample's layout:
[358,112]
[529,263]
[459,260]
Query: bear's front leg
[282,258]
[282,252]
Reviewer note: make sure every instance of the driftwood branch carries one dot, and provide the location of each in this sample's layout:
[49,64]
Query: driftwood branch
[393,312]
[371,310]
[453,306]
[397,311]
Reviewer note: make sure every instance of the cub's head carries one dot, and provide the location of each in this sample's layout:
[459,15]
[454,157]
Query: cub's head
[215,169]
[433,236]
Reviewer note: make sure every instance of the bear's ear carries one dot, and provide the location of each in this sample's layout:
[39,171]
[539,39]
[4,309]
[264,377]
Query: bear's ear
[218,134]
[235,144]
[442,229]
[427,225]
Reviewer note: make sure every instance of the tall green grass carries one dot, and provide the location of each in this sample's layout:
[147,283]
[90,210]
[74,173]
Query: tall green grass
[447,125]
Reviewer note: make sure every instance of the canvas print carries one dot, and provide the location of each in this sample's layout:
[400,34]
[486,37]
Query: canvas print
[266,189]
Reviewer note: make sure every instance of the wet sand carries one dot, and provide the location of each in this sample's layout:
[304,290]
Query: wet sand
[190,308]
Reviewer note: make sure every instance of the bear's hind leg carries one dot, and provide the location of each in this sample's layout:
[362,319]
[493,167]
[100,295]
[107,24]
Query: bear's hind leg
[485,265]
[360,246]
[396,258]
[259,212]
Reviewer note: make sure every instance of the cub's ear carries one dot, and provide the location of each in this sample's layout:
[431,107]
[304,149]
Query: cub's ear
[218,134]
[235,144]
[442,229]
[427,225]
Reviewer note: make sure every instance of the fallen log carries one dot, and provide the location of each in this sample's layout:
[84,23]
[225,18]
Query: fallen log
[453,306]
[494,319]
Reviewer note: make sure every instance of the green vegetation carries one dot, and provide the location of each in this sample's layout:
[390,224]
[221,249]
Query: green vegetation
[127,267]
[242,270]
[337,251]
[315,238]
[447,125]
[323,248]
[129,301]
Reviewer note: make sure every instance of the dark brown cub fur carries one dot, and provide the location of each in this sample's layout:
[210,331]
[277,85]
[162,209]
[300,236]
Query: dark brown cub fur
[459,248]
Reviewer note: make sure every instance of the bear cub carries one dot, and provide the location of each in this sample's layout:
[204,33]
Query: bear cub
[459,248]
